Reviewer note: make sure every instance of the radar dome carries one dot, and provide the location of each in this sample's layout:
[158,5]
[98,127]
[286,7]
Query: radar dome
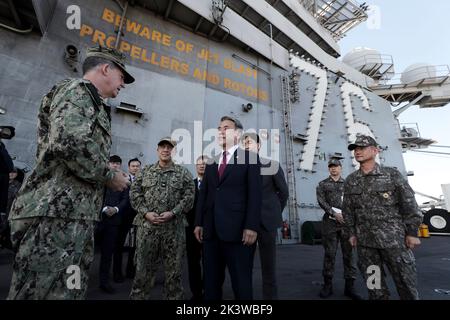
[417,72]
[362,57]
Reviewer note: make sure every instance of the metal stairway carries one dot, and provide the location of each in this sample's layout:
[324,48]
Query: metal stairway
[288,140]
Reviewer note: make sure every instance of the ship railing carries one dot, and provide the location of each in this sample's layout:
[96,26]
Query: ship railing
[337,16]
[420,77]
[376,66]
[409,130]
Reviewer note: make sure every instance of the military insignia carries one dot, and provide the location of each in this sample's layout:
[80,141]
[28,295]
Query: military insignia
[386,195]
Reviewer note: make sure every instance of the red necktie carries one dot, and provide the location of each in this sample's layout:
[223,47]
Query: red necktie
[223,164]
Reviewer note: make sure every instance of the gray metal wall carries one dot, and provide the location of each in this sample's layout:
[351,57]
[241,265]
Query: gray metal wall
[30,65]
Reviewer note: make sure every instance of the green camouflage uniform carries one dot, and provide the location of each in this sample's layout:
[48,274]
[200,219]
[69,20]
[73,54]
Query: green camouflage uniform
[52,218]
[381,211]
[329,194]
[160,190]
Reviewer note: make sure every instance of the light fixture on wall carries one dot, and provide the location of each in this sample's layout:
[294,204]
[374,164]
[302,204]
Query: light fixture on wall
[7,132]
[247,107]
[71,54]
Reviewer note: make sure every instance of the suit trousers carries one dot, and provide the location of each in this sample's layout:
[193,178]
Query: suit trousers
[194,256]
[118,252]
[267,254]
[238,258]
[108,236]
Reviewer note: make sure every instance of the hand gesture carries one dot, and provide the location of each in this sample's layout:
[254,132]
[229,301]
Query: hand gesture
[152,217]
[166,216]
[353,241]
[198,232]
[412,242]
[339,217]
[119,182]
[249,237]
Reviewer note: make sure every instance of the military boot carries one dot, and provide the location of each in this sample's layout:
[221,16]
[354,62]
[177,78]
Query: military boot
[350,290]
[327,289]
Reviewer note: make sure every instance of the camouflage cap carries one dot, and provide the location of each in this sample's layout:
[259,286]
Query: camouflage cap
[113,55]
[362,141]
[334,162]
[167,140]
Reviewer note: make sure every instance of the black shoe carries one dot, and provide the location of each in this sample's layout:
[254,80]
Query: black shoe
[197,297]
[107,288]
[131,273]
[118,278]
[327,289]
[350,290]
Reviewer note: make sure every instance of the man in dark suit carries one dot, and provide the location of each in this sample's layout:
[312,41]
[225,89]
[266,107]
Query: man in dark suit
[126,228]
[6,167]
[275,194]
[228,214]
[193,247]
[115,205]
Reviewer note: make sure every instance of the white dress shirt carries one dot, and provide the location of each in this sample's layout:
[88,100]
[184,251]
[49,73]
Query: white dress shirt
[117,209]
[229,154]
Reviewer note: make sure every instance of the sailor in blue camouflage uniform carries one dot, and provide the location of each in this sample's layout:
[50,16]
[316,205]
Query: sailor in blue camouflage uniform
[52,219]
[329,194]
[162,194]
[382,218]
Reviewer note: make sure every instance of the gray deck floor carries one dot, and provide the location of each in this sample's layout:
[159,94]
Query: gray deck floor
[299,274]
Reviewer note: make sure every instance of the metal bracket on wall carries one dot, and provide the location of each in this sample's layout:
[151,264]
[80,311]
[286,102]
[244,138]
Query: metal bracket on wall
[130,109]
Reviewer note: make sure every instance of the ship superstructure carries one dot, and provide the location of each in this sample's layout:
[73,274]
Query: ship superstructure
[275,64]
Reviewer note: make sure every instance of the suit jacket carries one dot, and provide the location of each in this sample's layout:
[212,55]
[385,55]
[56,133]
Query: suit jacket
[190,215]
[6,166]
[275,194]
[6,163]
[227,206]
[128,217]
[119,199]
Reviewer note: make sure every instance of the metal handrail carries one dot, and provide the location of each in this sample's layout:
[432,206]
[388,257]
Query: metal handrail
[384,58]
[442,75]
[337,16]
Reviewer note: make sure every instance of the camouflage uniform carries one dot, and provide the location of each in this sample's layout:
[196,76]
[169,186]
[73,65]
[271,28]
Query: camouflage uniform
[329,194]
[5,230]
[52,218]
[53,215]
[160,190]
[381,211]
[14,187]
